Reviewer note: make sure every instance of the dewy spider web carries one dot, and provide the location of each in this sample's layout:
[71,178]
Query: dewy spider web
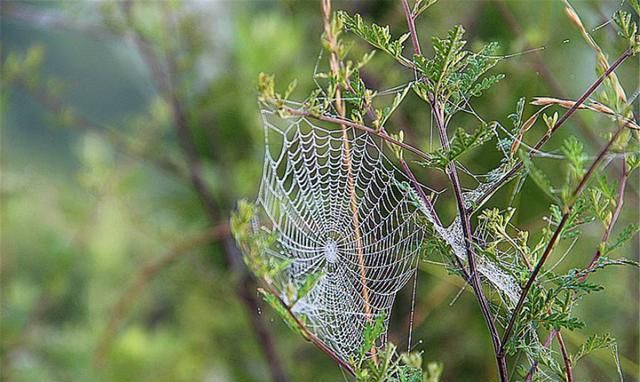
[309,189]
[362,259]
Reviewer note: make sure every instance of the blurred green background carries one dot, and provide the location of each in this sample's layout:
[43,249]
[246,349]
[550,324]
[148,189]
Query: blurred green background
[110,269]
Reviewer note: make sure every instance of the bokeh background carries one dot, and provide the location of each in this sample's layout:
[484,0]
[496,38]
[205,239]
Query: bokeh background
[111,268]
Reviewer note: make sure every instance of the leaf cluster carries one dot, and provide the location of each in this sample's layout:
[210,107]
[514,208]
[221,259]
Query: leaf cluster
[454,75]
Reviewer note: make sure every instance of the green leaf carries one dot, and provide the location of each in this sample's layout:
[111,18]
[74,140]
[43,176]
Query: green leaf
[516,117]
[420,6]
[628,28]
[377,36]
[461,143]
[372,331]
[538,176]
[626,234]
[454,74]
[593,343]
[282,311]
[309,282]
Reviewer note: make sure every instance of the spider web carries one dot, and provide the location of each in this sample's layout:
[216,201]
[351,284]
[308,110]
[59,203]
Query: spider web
[341,211]
[313,180]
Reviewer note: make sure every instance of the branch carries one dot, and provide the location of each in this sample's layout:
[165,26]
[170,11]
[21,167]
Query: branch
[411,24]
[332,47]
[308,335]
[167,84]
[141,279]
[349,123]
[520,165]
[605,237]
[556,235]
[465,221]
[565,358]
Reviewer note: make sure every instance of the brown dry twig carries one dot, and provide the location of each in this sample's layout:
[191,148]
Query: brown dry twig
[143,276]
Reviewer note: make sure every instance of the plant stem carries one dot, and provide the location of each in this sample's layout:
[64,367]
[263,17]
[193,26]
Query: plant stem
[565,358]
[556,235]
[166,82]
[605,237]
[465,221]
[452,173]
[310,336]
[349,123]
[520,165]
[624,176]
[340,108]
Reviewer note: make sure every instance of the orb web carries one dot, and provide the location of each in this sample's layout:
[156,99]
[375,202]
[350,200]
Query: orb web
[342,211]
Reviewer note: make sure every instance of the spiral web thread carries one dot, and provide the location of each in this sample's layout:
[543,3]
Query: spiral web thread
[307,196]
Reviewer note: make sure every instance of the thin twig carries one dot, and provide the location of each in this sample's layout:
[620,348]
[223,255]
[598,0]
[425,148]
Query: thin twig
[143,276]
[605,237]
[556,235]
[520,165]
[367,129]
[165,78]
[309,335]
[624,176]
[565,358]
[465,222]
[332,43]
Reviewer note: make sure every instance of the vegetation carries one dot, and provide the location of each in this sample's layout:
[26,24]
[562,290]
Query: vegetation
[131,130]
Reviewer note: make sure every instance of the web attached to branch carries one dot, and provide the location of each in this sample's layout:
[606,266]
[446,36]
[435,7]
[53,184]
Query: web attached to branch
[344,214]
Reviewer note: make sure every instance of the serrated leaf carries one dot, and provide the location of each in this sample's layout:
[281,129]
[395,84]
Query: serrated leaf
[593,343]
[376,35]
[371,332]
[281,310]
[538,176]
[626,234]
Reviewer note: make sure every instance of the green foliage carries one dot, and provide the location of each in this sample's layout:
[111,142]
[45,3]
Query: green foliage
[593,343]
[307,285]
[283,312]
[269,96]
[391,367]
[255,242]
[377,36]
[573,149]
[538,176]
[420,6]
[460,144]
[454,75]
[628,28]
[627,233]
[112,191]
[372,331]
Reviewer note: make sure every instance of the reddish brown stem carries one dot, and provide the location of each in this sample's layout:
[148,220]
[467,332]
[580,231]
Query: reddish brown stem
[556,235]
[452,173]
[167,83]
[621,192]
[520,165]
[369,130]
[565,358]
